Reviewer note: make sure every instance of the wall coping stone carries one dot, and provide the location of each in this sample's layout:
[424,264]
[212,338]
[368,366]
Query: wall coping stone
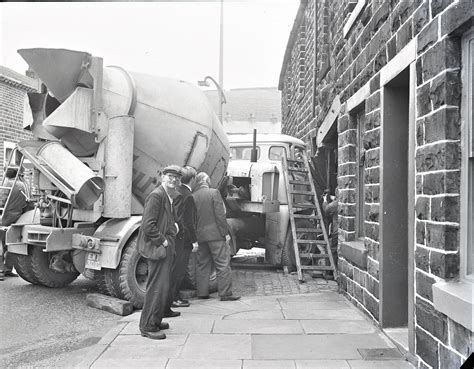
[455,299]
[355,252]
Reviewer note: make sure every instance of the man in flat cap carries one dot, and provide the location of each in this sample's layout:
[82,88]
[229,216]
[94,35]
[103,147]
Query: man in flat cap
[156,242]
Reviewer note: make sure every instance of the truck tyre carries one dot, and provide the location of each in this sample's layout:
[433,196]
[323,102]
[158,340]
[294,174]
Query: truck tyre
[133,274]
[189,280]
[22,264]
[288,251]
[44,275]
[111,283]
[98,277]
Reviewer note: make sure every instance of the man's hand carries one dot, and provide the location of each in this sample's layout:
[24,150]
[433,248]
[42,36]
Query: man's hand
[227,238]
[195,247]
[165,244]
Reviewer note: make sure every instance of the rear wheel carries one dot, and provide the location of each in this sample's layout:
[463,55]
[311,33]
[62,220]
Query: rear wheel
[133,274]
[42,273]
[22,264]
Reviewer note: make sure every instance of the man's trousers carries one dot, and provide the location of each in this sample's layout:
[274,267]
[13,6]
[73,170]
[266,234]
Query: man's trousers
[216,252]
[183,250]
[157,292]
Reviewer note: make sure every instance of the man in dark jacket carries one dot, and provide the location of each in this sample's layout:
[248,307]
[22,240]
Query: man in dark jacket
[213,237]
[186,237]
[12,211]
[156,242]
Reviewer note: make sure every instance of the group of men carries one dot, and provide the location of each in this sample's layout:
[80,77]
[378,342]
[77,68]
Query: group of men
[182,215]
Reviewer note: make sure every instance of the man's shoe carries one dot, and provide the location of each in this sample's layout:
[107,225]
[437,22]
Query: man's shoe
[172,314]
[9,273]
[230,298]
[164,325]
[154,335]
[203,297]
[180,304]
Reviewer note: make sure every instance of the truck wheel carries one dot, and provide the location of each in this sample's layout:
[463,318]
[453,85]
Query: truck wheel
[111,282]
[22,264]
[133,274]
[44,275]
[98,277]
[288,251]
[189,280]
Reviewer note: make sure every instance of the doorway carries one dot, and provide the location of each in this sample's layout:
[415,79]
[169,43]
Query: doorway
[395,178]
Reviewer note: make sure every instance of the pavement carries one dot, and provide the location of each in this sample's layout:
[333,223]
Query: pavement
[279,323]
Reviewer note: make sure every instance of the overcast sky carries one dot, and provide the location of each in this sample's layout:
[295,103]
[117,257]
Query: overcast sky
[173,39]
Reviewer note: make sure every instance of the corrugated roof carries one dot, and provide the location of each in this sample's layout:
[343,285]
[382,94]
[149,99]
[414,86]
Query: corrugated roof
[11,76]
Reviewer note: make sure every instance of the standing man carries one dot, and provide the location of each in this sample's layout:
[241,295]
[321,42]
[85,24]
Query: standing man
[213,238]
[186,238]
[12,211]
[156,242]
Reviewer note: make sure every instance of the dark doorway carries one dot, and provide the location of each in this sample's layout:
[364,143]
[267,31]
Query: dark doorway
[394,240]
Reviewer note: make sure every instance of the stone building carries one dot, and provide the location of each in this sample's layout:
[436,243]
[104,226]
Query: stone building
[249,108]
[383,90]
[13,88]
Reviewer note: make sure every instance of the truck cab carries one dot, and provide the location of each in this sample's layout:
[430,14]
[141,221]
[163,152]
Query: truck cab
[256,195]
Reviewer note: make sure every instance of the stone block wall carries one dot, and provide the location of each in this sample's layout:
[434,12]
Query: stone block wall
[346,64]
[12,93]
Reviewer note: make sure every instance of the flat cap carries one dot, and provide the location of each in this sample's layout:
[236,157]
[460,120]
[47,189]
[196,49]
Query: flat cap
[173,169]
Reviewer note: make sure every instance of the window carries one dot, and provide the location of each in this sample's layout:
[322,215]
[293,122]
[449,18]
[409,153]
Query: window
[359,117]
[243,152]
[467,190]
[276,153]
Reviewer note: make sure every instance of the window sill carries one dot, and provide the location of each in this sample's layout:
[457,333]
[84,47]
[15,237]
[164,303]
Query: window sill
[454,299]
[355,252]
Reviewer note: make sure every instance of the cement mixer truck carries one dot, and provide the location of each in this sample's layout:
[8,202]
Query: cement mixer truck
[102,135]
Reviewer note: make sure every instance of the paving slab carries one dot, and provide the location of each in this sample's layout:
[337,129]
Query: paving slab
[177,326]
[256,314]
[322,364]
[205,364]
[337,326]
[340,314]
[258,326]
[315,305]
[137,340]
[136,356]
[201,346]
[269,364]
[380,364]
[313,297]
[341,346]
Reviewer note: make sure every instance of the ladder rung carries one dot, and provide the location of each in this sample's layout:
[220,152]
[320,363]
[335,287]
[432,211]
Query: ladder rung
[309,230]
[302,216]
[300,192]
[313,242]
[309,255]
[304,206]
[302,170]
[294,181]
[317,267]
[6,187]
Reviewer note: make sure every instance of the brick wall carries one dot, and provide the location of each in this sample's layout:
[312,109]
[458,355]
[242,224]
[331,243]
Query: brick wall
[12,93]
[344,66]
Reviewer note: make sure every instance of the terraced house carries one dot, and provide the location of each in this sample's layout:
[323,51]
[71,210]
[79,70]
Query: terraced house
[381,91]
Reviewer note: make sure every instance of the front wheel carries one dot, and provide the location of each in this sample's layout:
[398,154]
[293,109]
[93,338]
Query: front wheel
[133,274]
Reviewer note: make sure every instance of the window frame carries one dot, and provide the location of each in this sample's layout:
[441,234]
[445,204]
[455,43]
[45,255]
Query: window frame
[277,146]
[466,226]
[359,116]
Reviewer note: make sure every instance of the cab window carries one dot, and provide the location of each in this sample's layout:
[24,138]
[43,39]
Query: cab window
[242,152]
[276,152]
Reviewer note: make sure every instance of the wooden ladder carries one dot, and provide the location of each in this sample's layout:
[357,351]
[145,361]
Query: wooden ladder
[310,240]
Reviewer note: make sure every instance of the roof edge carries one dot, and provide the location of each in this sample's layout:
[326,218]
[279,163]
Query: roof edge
[291,41]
